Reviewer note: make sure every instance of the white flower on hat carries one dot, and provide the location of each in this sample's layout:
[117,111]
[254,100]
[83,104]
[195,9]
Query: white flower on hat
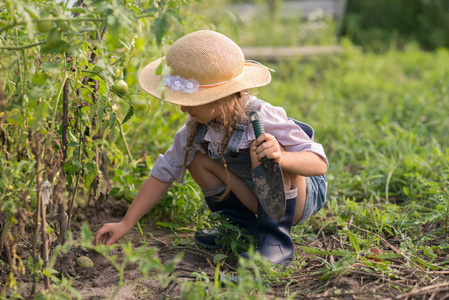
[168,80]
[177,83]
[191,86]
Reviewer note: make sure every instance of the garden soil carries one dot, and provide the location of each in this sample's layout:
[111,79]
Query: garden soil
[100,282]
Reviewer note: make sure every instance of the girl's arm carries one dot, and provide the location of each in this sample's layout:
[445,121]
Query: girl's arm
[303,163]
[149,194]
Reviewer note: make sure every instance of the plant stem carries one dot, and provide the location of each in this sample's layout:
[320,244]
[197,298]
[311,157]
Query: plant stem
[52,19]
[55,108]
[120,269]
[38,212]
[65,125]
[21,47]
[122,135]
[69,210]
[65,6]
[3,234]
[120,282]
[145,15]
[66,20]
[44,253]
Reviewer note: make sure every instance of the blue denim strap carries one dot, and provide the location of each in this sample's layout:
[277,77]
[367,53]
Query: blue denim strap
[199,137]
[234,143]
[236,140]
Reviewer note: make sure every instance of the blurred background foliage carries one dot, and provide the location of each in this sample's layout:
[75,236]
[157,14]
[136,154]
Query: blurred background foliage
[382,24]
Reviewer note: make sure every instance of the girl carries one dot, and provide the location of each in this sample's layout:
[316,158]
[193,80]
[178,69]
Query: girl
[209,79]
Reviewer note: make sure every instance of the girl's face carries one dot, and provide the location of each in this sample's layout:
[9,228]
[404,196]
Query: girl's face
[202,113]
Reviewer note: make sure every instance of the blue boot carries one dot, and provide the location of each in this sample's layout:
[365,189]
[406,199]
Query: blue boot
[275,242]
[234,210]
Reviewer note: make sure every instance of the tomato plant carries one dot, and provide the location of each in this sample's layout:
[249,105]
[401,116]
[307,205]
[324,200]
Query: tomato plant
[63,133]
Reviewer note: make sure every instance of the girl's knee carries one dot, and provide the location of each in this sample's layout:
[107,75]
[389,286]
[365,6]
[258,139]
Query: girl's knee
[205,171]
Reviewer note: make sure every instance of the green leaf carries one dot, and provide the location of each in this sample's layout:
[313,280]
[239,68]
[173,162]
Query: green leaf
[73,144]
[38,78]
[405,190]
[234,245]
[149,11]
[175,16]
[159,69]
[47,272]
[53,68]
[165,225]
[15,119]
[71,168]
[40,297]
[129,114]
[100,110]
[92,171]
[219,257]
[56,47]
[337,252]
[112,118]
[78,10]
[40,114]
[159,28]
[385,256]
[38,91]
[354,241]
[86,233]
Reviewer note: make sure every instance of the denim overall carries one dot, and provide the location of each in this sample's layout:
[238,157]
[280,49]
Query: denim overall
[239,163]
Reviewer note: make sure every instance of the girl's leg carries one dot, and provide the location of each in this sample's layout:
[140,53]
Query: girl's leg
[208,173]
[210,176]
[290,180]
[300,183]
[275,242]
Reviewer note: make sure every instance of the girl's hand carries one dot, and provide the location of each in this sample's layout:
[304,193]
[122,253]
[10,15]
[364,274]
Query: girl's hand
[110,233]
[270,148]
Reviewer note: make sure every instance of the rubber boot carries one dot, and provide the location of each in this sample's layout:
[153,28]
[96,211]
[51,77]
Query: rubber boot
[275,242]
[234,210]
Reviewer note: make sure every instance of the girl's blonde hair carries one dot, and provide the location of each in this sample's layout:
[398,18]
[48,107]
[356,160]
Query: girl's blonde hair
[232,112]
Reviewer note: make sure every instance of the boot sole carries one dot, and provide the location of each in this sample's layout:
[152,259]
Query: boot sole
[206,246]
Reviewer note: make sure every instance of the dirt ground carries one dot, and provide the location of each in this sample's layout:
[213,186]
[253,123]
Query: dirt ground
[101,281]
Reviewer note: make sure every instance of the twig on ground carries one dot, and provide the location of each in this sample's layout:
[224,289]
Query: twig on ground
[435,288]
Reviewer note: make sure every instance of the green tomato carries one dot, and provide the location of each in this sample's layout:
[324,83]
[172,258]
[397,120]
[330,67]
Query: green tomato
[84,262]
[44,26]
[117,73]
[54,36]
[120,87]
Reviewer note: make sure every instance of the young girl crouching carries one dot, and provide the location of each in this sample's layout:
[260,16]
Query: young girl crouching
[209,79]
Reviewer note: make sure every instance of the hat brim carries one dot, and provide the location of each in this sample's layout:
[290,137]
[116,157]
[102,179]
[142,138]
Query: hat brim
[254,75]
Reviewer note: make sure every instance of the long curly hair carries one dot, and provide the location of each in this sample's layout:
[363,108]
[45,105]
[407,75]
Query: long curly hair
[232,112]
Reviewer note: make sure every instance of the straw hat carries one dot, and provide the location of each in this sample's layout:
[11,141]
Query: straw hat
[205,66]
